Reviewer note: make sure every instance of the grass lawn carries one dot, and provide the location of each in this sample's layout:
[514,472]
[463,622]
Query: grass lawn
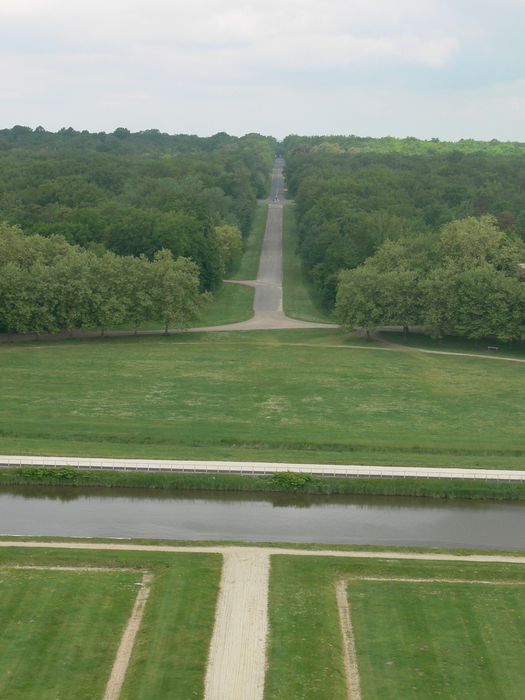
[284,396]
[421,641]
[233,303]
[253,245]
[61,630]
[454,641]
[298,296]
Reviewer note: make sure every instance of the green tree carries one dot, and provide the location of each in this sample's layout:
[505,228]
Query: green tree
[107,299]
[176,290]
[360,299]
[229,239]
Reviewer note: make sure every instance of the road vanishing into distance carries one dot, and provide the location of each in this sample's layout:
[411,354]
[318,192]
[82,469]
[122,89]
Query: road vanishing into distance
[268,302]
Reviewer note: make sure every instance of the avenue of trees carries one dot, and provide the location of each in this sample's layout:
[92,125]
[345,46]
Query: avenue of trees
[48,285]
[407,232]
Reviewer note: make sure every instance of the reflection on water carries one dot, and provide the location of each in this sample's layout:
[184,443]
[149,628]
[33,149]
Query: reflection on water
[146,513]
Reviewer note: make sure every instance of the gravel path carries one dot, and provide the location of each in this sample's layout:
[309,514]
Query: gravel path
[237,659]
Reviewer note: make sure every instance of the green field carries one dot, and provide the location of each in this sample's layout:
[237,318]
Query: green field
[61,629]
[439,640]
[446,630]
[299,299]
[425,641]
[305,396]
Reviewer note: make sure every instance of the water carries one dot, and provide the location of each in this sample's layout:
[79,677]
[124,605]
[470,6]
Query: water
[144,513]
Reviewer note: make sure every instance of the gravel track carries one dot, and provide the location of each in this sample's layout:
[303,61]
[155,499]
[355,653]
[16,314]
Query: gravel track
[237,659]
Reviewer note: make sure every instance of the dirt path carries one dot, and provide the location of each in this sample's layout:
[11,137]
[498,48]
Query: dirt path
[237,659]
[266,551]
[121,663]
[353,685]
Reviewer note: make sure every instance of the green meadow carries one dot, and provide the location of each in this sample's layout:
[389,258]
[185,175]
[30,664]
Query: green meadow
[292,396]
[428,640]
[61,629]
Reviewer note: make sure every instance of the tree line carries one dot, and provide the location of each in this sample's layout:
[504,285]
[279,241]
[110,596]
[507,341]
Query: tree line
[407,232]
[353,194]
[48,285]
[464,283]
[134,193]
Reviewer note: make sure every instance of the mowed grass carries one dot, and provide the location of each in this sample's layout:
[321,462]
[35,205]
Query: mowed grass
[252,393]
[59,631]
[287,396]
[425,641]
[299,300]
[439,640]
[252,245]
[233,303]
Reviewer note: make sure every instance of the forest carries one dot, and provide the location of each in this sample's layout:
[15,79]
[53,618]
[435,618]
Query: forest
[121,200]
[407,232]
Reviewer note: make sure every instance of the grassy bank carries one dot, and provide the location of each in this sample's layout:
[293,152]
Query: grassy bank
[277,483]
[299,299]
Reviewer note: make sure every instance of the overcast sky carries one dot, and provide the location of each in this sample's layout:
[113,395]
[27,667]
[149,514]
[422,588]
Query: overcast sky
[428,68]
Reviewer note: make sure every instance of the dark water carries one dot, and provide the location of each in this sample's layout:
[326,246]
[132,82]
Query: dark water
[264,518]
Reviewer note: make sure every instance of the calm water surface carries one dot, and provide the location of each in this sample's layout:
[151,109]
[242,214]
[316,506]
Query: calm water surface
[264,518]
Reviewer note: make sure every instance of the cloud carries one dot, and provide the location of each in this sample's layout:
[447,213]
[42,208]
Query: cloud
[209,65]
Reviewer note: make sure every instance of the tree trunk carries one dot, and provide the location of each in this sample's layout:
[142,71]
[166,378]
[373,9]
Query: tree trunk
[368,334]
[166,328]
[405,332]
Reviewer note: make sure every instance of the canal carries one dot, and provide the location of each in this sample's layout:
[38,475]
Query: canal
[145,513]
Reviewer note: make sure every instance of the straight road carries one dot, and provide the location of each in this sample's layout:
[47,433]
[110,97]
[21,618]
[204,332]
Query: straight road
[262,468]
[268,301]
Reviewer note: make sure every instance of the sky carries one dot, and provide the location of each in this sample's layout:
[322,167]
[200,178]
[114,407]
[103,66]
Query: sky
[445,69]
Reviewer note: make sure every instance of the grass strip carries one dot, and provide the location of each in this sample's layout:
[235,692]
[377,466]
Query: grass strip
[299,299]
[253,245]
[170,655]
[233,303]
[277,483]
